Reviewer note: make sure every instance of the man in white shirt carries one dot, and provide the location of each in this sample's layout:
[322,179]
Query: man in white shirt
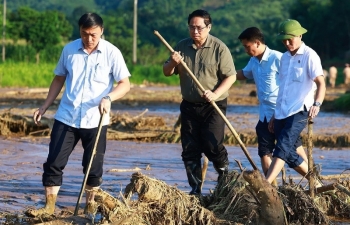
[88,67]
[263,67]
[301,93]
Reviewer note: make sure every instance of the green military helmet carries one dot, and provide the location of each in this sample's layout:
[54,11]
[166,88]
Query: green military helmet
[289,29]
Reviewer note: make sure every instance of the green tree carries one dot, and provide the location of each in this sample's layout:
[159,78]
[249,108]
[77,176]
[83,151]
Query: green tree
[51,29]
[74,18]
[41,30]
[20,22]
[64,6]
[118,30]
[328,25]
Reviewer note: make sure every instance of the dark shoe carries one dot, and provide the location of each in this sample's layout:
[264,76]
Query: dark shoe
[194,176]
[195,190]
[221,168]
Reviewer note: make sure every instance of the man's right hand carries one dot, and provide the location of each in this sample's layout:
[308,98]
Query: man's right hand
[37,115]
[176,57]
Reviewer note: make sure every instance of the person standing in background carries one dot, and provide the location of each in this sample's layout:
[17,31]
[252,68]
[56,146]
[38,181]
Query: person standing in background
[346,73]
[332,75]
[202,128]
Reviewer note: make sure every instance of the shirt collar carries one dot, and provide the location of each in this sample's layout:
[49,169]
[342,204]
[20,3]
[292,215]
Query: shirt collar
[100,45]
[207,42]
[266,54]
[300,51]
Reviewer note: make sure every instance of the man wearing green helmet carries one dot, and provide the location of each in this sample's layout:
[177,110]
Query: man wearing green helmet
[301,93]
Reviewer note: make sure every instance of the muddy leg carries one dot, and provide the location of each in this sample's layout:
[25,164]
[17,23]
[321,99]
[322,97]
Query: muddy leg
[275,168]
[91,206]
[302,169]
[302,153]
[265,164]
[49,208]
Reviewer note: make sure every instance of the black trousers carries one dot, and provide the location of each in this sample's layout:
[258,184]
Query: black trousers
[202,131]
[63,140]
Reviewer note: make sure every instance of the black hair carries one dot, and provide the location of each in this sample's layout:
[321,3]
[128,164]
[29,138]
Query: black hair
[200,13]
[90,20]
[252,34]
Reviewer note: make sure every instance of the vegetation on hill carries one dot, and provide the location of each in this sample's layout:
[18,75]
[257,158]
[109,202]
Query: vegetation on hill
[327,22]
[41,27]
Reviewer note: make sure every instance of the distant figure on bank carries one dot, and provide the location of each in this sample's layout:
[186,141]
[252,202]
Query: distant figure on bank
[301,93]
[346,73]
[263,67]
[88,67]
[332,75]
[202,128]
[325,74]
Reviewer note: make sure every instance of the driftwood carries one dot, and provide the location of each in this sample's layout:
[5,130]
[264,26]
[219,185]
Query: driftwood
[343,189]
[166,204]
[122,127]
[322,189]
[22,125]
[334,176]
[271,207]
[330,187]
[119,135]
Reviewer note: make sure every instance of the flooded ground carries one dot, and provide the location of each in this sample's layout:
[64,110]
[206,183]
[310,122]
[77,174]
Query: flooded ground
[21,168]
[22,157]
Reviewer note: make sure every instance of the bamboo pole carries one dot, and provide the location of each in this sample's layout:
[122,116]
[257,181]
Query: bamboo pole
[310,158]
[93,153]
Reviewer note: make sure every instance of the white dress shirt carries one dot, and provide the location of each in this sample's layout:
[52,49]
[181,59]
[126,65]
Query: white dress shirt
[297,87]
[265,75]
[89,77]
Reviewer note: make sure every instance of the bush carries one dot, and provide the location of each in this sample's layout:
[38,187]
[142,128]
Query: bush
[343,102]
[26,53]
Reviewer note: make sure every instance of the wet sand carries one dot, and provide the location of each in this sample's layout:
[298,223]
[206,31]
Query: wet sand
[22,157]
[21,168]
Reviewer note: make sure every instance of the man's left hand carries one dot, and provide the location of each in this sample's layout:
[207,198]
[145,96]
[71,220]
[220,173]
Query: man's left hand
[314,110]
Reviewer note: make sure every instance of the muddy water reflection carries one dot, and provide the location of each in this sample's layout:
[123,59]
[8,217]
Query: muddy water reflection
[21,169]
[244,117]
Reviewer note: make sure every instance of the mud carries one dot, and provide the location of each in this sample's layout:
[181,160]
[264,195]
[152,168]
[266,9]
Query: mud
[153,111]
[145,110]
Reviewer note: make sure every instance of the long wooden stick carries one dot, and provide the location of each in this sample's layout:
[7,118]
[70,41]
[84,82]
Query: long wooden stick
[310,158]
[204,170]
[93,153]
[212,103]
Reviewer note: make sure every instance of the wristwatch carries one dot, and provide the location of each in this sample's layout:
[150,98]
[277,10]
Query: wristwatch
[318,104]
[107,97]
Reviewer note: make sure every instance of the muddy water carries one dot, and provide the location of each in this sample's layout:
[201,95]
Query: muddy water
[21,167]
[21,159]
[244,117]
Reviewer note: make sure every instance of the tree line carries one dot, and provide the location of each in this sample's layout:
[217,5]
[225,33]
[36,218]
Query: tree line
[47,26]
